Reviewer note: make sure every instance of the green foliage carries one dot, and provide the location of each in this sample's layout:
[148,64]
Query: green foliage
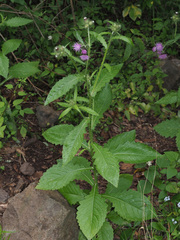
[93,206]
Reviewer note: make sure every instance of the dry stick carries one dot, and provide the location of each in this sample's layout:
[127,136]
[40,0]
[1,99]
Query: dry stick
[72,9]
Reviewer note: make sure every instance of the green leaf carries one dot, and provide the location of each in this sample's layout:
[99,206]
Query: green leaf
[131,205]
[23,70]
[133,152]
[72,193]
[17,22]
[91,213]
[62,87]
[99,38]
[88,110]
[124,38]
[144,186]
[102,102]
[57,134]
[4,65]
[74,141]
[105,77]
[125,181]
[106,164]
[2,131]
[17,102]
[168,128]
[10,45]
[120,139]
[170,98]
[106,232]
[178,140]
[172,187]
[171,172]
[126,11]
[127,52]
[23,132]
[59,176]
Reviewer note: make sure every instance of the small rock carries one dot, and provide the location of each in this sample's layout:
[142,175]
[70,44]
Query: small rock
[27,169]
[39,215]
[3,196]
[46,116]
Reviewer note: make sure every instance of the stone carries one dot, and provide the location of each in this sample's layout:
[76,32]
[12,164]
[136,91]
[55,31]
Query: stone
[39,215]
[172,80]
[27,169]
[3,196]
[46,116]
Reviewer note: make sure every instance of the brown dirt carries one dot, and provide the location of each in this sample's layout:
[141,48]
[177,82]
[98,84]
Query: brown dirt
[42,155]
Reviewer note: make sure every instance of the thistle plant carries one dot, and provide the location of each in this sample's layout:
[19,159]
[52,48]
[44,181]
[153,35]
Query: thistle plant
[93,211]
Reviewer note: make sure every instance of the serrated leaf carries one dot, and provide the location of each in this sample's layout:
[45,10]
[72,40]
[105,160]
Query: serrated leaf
[106,232]
[131,205]
[125,181]
[10,45]
[168,128]
[102,102]
[86,175]
[99,38]
[88,110]
[17,22]
[91,213]
[106,164]
[62,87]
[127,52]
[105,77]
[74,141]
[120,139]
[57,134]
[72,193]
[4,65]
[133,152]
[23,70]
[172,187]
[171,172]
[169,98]
[59,176]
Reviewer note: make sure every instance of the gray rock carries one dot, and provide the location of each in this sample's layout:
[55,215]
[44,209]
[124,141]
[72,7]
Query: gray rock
[46,116]
[172,80]
[3,196]
[39,215]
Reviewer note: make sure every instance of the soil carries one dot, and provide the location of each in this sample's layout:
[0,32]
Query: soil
[41,155]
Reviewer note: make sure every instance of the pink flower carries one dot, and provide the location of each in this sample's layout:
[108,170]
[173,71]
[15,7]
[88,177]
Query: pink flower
[77,47]
[162,56]
[84,51]
[154,49]
[159,47]
[84,57]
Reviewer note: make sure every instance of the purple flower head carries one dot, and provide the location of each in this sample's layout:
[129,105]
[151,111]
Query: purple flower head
[162,56]
[77,47]
[154,49]
[84,51]
[84,57]
[159,47]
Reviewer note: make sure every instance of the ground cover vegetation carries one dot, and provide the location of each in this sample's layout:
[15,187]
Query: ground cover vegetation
[83,58]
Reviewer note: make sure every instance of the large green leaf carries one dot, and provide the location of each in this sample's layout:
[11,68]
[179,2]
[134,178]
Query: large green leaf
[17,22]
[131,205]
[168,128]
[102,102]
[23,70]
[59,176]
[99,38]
[106,164]
[10,45]
[106,232]
[125,181]
[124,38]
[74,141]
[4,65]
[57,134]
[62,87]
[120,139]
[105,77]
[91,213]
[133,152]
[169,98]
[72,193]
